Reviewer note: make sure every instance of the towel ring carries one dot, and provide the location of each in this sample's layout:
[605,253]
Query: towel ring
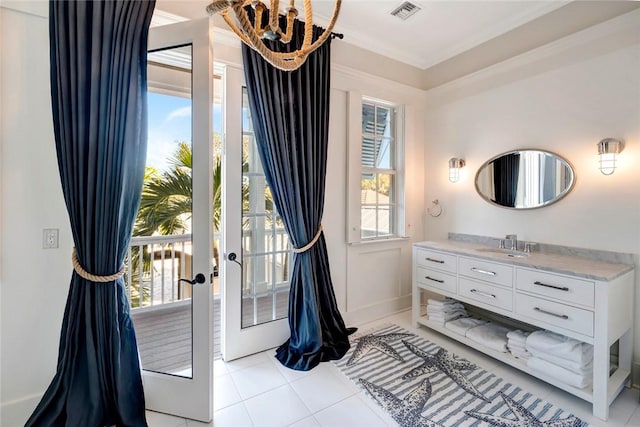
[436,208]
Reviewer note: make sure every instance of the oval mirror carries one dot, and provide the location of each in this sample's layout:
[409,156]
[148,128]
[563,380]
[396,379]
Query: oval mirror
[524,179]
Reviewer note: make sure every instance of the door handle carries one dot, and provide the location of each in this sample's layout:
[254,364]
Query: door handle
[196,280]
[233,258]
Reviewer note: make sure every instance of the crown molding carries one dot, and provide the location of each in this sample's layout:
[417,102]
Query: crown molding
[628,23]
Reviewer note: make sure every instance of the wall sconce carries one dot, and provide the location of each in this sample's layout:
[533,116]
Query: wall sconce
[608,149]
[454,168]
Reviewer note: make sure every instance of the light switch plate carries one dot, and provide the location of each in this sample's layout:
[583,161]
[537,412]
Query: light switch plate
[50,238]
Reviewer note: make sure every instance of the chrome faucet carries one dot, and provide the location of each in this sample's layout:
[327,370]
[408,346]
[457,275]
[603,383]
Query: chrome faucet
[513,239]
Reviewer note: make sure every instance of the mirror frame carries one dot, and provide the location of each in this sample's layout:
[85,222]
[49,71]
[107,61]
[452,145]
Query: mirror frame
[556,199]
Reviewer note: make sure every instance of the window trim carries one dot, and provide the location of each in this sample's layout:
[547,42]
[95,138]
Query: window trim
[355,170]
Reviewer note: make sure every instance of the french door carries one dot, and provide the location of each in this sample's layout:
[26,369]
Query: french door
[257,253]
[173,317]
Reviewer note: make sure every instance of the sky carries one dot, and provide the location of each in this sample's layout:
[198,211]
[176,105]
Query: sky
[170,123]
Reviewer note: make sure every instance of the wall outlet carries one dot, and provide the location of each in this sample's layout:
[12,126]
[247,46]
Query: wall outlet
[50,238]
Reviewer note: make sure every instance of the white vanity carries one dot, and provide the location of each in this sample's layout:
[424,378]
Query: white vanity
[585,299]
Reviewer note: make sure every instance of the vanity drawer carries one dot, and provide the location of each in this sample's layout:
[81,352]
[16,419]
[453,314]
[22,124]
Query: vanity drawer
[437,260]
[569,289]
[436,279]
[486,293]
[557,314]
[488,271]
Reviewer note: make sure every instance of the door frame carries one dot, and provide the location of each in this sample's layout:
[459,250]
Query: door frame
[193,397]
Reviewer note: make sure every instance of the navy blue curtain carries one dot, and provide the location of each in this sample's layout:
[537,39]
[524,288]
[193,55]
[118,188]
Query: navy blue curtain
[290,114]
[98,54]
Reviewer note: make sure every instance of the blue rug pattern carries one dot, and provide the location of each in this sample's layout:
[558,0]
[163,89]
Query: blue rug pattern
[419,383]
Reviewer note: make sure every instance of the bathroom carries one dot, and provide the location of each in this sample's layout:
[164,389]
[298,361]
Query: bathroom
[563,97]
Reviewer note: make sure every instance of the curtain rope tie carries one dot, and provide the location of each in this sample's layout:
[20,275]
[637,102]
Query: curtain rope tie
[310,244]
[86,275]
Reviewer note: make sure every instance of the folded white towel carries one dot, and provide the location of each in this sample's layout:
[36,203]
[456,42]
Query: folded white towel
[445,309]
[462,325]
[560,346]
[559,373]
[438,303]
[443,312]
[585,367]
[490,335]
[445,317]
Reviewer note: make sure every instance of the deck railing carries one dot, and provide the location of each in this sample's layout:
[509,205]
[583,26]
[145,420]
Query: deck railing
[155,265]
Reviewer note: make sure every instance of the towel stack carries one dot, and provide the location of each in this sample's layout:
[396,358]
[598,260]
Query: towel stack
[443,311]
[463,324]
[490,335]
[566,359]
[516,343]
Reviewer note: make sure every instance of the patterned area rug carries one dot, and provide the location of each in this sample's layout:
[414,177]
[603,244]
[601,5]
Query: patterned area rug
[421,384]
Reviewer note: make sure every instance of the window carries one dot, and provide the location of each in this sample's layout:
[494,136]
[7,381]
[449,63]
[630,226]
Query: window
[380,179]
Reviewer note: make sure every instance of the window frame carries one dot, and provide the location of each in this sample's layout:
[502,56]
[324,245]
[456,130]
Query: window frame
[355,169]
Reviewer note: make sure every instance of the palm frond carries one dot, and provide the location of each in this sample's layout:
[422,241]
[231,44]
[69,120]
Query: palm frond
[183,157]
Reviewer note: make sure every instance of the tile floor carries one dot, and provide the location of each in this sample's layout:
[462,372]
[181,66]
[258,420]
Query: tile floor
[258,391]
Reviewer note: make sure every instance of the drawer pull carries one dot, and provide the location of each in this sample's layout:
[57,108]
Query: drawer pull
[560,288]
[435,280]
[439,261]
[561,316]
[484,294]
[481,271]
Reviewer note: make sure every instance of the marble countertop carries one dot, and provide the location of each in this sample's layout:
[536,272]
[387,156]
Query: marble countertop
[556,263]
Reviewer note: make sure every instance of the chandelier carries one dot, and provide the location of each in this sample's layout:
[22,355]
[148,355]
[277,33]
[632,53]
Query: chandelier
[253,34]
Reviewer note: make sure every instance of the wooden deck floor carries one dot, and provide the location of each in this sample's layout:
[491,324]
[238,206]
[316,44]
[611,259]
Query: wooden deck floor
[164,333]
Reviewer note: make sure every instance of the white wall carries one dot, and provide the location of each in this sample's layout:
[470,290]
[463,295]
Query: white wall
[33,281]
[371,280]
[564,98]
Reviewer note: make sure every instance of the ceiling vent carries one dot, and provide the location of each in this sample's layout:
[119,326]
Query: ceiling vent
[405,10]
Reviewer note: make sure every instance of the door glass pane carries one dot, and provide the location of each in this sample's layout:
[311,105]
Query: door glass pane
[217,209]
[160,253]
[267,255]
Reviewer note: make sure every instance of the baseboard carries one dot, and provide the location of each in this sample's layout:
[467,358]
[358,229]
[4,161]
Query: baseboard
[377,311]
[16,412]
